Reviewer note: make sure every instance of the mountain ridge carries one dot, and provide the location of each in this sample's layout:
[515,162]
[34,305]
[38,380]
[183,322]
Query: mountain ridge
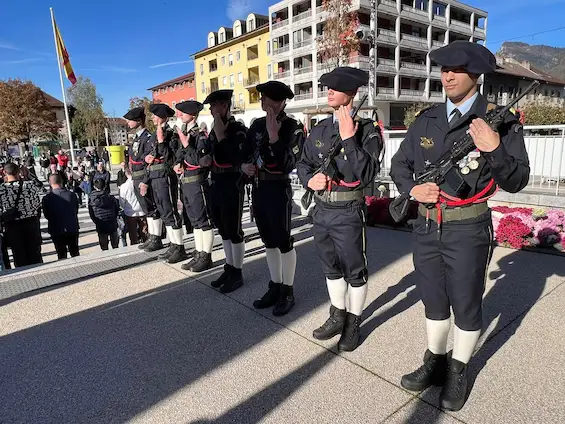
[547,58]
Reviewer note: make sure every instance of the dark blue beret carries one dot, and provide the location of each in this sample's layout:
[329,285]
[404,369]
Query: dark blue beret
[136,114]
[219,96]
[192,107]
[345,79]
[473,57]
[275,90]
[161,110]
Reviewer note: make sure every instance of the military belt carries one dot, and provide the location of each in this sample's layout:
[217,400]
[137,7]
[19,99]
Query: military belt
[137,174]
[267,176]
[193,179]
[158,167]
[455,214]
[339,196]
[218,170]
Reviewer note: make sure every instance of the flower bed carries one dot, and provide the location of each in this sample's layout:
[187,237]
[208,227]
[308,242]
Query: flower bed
[527,227]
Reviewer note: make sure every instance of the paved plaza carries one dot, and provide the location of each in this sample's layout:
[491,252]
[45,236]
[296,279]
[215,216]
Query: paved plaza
[130,339]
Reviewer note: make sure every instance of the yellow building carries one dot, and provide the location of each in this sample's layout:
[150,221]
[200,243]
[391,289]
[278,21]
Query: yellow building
[236,58]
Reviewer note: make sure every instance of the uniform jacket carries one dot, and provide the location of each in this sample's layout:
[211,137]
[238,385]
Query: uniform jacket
[429,137]
[163,153]
[357,162]
[228,152]
[279,157]
[190,156]
[60,208]
[138,150]
[104,175]
[103,209]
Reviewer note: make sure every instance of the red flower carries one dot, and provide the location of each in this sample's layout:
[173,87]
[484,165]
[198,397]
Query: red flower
[513,232]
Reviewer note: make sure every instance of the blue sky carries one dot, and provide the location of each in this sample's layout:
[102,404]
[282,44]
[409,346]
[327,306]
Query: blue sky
[125,47]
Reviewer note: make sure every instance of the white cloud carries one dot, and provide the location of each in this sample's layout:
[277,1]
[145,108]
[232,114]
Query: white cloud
[7,46]
[110,69]
[162,65]
[239,9]
[21,61]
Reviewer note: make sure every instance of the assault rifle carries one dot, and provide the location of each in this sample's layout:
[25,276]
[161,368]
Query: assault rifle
[436,172]
[328,165]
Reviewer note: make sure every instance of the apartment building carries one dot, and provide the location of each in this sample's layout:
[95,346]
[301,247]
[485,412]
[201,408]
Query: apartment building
[117,130]
[175,91]
[406,32]
[237,58]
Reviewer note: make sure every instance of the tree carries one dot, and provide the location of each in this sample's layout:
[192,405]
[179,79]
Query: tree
[144,102]
[542,113]
[411,111]
[89,118]
[25,113]
[338,40]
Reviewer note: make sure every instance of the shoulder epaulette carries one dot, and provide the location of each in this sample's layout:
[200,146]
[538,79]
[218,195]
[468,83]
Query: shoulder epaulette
[425,110]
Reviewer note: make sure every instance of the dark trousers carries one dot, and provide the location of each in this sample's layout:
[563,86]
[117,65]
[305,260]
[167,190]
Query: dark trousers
[272,208]
[165,195]
[24,238]
[137,229]
[339,235]
[65,243]
[113,238]
[146,202]
[226,204]
[195,201]
[451,271]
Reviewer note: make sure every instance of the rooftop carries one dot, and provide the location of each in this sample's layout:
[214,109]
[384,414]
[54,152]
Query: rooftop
[526,70]
[182,78]
[232,41]
[53,102]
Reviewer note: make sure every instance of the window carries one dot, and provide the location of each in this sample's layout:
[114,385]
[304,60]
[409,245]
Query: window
[203,88]
[173,104]
[240,99]
[174,87]
[230,59]
[240,78]
[232,81]
[221,37]
[223,61]
[225,81]
[268,47]
[211,40]
[269,71]
[201,69]
[238,55]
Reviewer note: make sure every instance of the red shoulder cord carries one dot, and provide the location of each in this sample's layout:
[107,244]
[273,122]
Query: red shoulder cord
[131,161]
[190,167]
[453,202]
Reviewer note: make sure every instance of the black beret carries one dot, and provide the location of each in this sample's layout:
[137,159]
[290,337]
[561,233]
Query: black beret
[275,90]
[161,110]
[192,107]
[473,57]
[219,96]
[136,114]
[345,79]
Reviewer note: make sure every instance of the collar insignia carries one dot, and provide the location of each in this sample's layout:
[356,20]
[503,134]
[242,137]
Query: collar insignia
[318,143]
[426,143]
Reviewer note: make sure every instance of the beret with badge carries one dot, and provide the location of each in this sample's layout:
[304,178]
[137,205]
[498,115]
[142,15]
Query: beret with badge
[219,96]
[161,110]
[135,114]
[275,90]
[191,107]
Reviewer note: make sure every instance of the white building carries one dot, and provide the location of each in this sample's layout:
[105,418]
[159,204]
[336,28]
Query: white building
[406,31]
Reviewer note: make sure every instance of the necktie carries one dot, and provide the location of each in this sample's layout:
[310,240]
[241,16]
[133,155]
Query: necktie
[455,117]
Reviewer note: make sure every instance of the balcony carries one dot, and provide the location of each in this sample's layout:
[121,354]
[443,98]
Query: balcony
[322,94]
[302,18]
[413,41]
[436,96]
[436,71]
[303,45]
[386,93]
[361,62]
[281,50]
[386,65]
[387,36]
[387,6]
[305,96]
[409,68]
[440,21]
[305,71]
[212,89]
[414,14]
[460,26]
[280,25]
[479,32]
[250,82]
[281,75]
[418,95]
[437,44]
[238,106]
[321,14]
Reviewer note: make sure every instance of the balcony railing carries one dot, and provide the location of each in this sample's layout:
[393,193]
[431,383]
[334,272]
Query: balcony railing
[391,3]
[280,24]
[281,50]
[461,25]
[281,75]
[305,70]
[212,89]
[302,16]
[251,82]
[411,39]
[436,70]
[238,106]
[320,10]
[437,44]
[414,93]
[213,68]
[414,13]
[322,94]
[304,43]
[386,35]
[436,94]
[441,20]
[385,90]
[386,65]
[413,67]
[304,96]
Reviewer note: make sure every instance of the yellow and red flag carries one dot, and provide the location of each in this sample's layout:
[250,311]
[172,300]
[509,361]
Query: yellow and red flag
[64,55]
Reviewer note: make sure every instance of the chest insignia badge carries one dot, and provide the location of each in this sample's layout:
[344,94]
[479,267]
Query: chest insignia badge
[426,143]
[320,155]
[295,150]
[318,143]
[135,148]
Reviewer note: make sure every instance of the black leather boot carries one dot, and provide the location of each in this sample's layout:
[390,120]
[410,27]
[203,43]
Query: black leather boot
[349,339]
[203,263]
[432,373]
[222,278]
[179,254]
[454,392]
[143,245]
[166,254]
[188,266]
[285,301]
[235,281]
[333,325]
[155,244]
[270,298]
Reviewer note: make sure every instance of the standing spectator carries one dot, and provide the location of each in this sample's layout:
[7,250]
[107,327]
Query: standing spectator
[62,160]
[103,209]
[53,170]
[44,164]
[135,217]
[106,157]
[60,208]
[204,128]
[52,158]
[86,187]
[19,208]
[102,174]
[121,175]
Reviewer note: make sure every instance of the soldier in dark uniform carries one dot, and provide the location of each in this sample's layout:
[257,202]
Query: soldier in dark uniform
[272,145]
[226,190]
[138,150]
[164,188]
[452,249]
[194,179]
[339,214]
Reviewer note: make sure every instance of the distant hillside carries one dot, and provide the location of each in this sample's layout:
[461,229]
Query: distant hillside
[547,58]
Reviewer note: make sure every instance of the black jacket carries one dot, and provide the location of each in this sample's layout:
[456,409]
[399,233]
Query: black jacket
[190,155]
[121,178]
[60,208]
[103,210]
[140,148]
[430,136]
[228,152]
[105,175]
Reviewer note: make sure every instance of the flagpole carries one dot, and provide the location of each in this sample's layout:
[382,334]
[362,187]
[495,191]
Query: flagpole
[63,90]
